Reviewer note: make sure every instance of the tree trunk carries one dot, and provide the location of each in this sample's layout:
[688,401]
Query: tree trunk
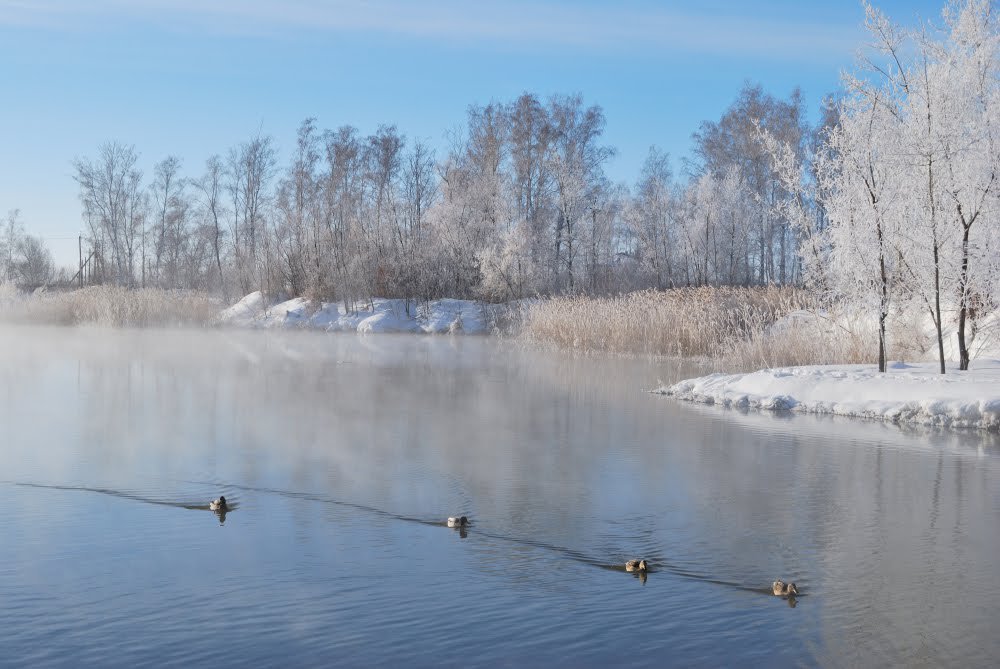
[963,288]
[937,263]
[883,302]
[881,342]
[937,303]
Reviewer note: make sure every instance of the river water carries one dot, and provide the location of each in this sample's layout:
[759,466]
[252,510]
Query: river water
[341,457]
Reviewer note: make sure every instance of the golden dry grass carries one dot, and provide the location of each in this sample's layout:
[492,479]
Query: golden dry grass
[110,306]
[738,329]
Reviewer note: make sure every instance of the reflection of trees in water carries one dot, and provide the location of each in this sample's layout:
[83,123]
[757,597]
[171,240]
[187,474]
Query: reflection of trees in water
[884,524]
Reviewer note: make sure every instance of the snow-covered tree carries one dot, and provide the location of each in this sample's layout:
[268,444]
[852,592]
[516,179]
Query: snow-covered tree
[650,219]
[966,65]
[114,207]
[863,183]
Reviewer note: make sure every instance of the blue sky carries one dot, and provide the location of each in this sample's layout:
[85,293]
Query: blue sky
[195,77]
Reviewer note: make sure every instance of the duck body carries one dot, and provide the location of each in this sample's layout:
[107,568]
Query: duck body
[782,589]
[458,521]
[218,504]
[636,566]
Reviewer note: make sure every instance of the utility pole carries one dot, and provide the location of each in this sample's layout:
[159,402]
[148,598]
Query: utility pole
[79,250]
[593,249]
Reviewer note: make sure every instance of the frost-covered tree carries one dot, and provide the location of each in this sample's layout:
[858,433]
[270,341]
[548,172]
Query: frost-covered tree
[341,212]
[905,193]
[863,185]
[24,258]
[168,232]
[945,83]
[419,193]
[531,184]
[382,156]
[650,219]
[212,211]
[504,270]
[301,246]
[114,207]
[966,65]
[575,160]
[733,142]
[11,231]
[249,170]
[32,262]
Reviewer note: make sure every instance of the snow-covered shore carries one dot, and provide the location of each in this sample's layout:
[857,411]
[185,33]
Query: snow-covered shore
[906,393]
[439,316]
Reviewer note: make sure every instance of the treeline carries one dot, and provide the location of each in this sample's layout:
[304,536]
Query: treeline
[519,205]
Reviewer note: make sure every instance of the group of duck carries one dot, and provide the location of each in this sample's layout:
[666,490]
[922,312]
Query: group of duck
[640,566]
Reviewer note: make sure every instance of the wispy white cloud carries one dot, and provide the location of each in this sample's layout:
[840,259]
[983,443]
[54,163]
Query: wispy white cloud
[629,26]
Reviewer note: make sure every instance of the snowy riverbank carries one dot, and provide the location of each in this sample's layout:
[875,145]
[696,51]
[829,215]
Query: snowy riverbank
[436,317]
[907,393]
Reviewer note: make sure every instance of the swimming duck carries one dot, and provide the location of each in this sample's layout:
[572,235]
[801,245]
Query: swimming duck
[461,521]
[218,504]
[636,565]
[782,589]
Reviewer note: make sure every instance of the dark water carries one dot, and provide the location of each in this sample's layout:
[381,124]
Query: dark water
[343,457]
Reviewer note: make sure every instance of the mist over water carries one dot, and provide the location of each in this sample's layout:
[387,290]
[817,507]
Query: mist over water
[341,458]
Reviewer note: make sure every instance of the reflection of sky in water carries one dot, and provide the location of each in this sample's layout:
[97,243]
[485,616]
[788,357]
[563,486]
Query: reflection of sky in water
[342,453]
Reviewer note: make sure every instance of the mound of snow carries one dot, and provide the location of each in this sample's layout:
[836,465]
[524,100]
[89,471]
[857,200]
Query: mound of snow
[245,312]
[907,393]
[382,315]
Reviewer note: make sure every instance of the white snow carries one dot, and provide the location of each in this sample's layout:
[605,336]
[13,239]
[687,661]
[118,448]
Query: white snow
[439,316]
[906,393]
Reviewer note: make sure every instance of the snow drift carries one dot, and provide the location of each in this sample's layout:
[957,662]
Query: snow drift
[382,315]
[907,393]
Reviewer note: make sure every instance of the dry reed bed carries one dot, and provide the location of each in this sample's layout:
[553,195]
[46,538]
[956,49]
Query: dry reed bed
[737,329]
[110,306]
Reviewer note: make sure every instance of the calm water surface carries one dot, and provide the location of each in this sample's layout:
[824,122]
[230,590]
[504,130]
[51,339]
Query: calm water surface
[344,455]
